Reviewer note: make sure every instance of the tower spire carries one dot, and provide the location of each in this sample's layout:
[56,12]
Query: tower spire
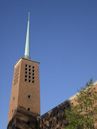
[27,44]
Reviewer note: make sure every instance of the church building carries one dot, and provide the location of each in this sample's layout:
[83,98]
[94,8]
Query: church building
[24,109]
[25,95]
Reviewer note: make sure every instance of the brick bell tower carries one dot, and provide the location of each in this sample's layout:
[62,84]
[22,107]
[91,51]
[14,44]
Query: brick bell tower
[24,108]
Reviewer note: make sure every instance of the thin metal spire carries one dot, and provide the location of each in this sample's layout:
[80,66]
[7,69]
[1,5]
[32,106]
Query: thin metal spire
[27,44]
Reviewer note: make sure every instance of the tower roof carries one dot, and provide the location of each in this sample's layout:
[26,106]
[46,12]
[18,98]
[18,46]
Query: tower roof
[27,43]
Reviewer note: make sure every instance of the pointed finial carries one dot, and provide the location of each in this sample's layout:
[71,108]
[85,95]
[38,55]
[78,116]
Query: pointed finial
[29,16]
[27,44]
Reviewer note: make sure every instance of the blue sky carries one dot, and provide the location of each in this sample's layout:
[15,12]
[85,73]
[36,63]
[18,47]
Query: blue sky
[63,37]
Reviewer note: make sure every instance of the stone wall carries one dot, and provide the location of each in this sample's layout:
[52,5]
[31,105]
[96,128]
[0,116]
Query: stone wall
[23,119]
[55,118]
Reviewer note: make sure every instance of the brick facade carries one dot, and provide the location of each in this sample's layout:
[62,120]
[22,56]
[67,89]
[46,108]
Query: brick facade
[25,87]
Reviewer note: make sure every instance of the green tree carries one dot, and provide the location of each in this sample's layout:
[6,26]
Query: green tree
[82,115]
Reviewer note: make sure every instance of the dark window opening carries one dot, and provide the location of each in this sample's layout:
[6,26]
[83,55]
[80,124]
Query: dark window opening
[29,76]
[29,72]
[29,69]
[32,81]
[32,70]
[25,75]
[26,65]
[25,80]
[29,66]
[28,109]
[32,77]
[25,72]
[29,80]
[29,96]
[25,68]
[33,67]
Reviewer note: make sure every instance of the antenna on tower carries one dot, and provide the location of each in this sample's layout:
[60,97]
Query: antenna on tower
[27,43]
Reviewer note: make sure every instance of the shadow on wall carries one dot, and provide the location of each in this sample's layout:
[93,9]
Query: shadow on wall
[23,119]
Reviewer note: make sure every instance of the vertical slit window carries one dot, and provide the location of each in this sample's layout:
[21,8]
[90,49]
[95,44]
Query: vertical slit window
[28,109]
[29,96]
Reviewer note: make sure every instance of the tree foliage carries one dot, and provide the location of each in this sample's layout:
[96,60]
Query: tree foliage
[82,115]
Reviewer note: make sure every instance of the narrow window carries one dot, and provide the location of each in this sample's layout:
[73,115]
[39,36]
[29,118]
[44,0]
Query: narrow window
[25,65]
[25,80]
[33,67]
[28,109]
[29,96]
[33,81]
